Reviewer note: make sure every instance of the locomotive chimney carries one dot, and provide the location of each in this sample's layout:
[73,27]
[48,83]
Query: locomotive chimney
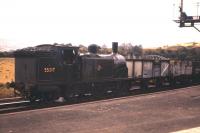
[115,47]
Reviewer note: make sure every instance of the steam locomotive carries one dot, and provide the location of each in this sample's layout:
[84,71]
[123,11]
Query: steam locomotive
[48,72]
[51,71]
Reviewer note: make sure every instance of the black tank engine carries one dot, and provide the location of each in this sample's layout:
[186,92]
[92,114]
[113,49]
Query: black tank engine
[51,71]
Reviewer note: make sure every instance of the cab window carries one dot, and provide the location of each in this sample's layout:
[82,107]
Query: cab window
[68,56]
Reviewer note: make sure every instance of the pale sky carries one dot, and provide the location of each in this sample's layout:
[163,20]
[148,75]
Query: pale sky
[147,22]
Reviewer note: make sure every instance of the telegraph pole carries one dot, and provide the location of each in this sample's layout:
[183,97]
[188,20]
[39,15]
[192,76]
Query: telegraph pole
[181,14]
[181,8]
[197,9]
[187,21]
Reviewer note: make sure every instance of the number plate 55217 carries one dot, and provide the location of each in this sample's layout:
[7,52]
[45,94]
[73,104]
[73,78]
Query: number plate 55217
[49,69]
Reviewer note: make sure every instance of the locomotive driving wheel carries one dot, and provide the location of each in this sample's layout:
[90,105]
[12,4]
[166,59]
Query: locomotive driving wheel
[32,94]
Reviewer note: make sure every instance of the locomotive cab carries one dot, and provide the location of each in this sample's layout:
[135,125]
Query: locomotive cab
[69,58]
[44,69]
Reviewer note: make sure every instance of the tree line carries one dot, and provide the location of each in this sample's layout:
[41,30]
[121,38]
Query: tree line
[176,52]
[187,52]
[191,52]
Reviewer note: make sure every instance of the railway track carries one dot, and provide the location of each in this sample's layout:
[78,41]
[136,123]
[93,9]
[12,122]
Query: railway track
[133,96]
[20,105]
[13,106]
[12,99]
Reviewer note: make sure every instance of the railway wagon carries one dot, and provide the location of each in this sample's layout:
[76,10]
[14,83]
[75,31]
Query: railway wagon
[159,71]
[196,71]
[181,71]
[148,72]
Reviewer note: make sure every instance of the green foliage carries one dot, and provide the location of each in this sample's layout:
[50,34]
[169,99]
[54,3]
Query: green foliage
[83,49]
[177,52]
[127,49]
[6,54]
[105,50]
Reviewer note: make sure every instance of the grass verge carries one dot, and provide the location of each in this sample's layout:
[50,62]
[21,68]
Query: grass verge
[6,93]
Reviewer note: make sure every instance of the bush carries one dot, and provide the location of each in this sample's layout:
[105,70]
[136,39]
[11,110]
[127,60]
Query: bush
[5,92]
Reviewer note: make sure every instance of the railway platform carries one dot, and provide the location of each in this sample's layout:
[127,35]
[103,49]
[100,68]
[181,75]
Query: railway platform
[174,111]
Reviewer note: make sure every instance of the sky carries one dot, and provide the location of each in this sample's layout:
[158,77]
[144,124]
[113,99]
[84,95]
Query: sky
[150,23]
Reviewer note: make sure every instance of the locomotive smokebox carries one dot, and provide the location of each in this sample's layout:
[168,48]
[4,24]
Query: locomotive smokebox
[115,47]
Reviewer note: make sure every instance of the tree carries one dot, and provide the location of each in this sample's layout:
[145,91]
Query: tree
[83,49]
[105,50]
[126,49]
[137,51]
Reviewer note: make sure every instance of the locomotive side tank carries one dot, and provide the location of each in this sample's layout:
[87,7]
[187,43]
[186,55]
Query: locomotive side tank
[94,67]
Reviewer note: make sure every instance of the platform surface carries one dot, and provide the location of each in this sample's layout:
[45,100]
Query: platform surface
[174,111]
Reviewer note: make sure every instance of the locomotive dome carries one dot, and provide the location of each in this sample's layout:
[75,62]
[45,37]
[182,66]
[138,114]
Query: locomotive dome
[93,48]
